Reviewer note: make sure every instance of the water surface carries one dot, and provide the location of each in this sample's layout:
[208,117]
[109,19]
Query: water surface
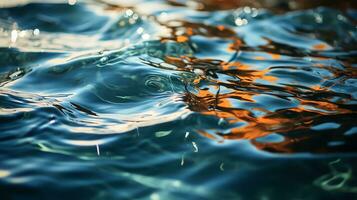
[177,99]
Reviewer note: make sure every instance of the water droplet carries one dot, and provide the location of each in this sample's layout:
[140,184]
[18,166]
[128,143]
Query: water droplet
[137,131]
[103,59]
[122,23]
[129,12]
[221,166]
[72,2]
[145,36]
[255,12]
[98,152]
[36,32]
[247,10]
[195,146]
[132,21]
[318,18]
[221,121]
[341,18]
[135,17]
[140,30]
[241,22]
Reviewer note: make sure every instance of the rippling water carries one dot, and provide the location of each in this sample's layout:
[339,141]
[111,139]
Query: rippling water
[176,100]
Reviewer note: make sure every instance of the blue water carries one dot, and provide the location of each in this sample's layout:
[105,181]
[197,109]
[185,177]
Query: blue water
[158,100]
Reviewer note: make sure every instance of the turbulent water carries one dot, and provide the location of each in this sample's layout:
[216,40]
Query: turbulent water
[167,100]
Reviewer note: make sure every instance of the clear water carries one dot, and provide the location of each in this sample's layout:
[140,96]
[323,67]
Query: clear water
[177,100]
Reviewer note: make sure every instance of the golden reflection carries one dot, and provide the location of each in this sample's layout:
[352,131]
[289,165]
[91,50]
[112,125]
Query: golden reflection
[235,45]
[320,47]
[182,38]
[181,31]
[275,56]
[280,121]
[247,73]
[314,103]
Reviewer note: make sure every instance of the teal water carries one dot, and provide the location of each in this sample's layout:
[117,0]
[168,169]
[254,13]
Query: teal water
[174,100]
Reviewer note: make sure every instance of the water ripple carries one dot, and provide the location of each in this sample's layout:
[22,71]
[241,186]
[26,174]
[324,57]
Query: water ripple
[177,99]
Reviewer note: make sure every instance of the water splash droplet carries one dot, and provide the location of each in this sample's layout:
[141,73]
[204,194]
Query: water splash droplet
[195,147]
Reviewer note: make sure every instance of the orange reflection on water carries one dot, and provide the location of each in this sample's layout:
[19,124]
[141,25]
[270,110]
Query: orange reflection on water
[256,127]
[282,121]
[313,106]
[247,73]
[181,31]
[227,99]
[320,47]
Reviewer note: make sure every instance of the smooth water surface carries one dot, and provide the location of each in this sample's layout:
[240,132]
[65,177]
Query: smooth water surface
[177,100]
